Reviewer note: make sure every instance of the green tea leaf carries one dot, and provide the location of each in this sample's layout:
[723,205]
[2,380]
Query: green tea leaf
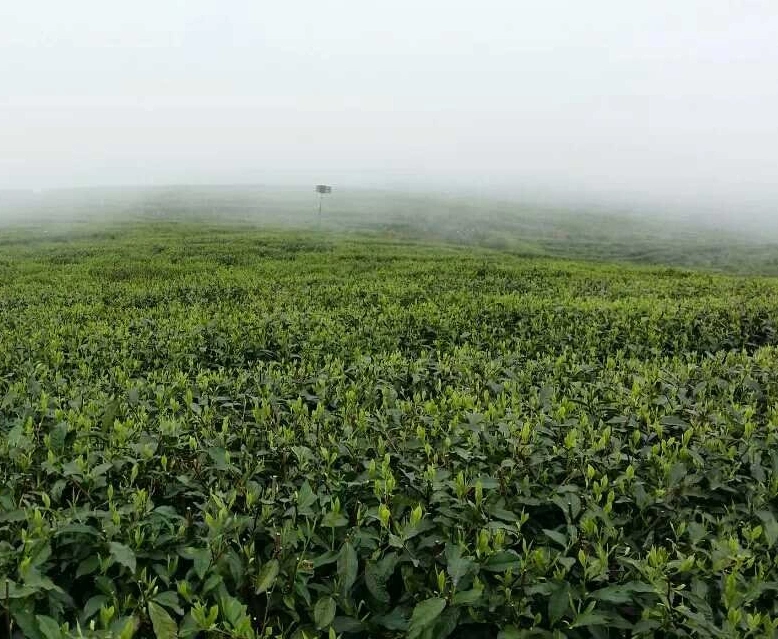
[456,565]
[202,560]
[169,599]
[164,626]
[622,593]
[559,602]
[324,612]
[590,618]
[467,597]
[347,625]
[48,627]
[305,499]
[94,604]
[556,536]
[219,457]
[267,576]
[123,555]
[393,620]
[424,615]
[769,526]
[348,565]
[502,561]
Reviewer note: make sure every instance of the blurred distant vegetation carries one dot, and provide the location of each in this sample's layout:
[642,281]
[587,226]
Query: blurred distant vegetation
[516,227]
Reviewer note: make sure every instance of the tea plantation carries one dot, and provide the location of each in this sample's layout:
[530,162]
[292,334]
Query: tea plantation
[227,432]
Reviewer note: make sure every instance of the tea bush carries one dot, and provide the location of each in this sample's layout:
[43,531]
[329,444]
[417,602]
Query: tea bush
[235,433]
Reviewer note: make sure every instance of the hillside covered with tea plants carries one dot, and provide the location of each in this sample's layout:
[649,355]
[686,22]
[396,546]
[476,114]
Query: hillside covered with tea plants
[228,432]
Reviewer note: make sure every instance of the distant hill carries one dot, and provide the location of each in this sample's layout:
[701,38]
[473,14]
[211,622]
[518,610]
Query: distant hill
[511,225]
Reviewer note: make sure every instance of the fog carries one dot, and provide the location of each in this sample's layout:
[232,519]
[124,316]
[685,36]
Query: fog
[660,106]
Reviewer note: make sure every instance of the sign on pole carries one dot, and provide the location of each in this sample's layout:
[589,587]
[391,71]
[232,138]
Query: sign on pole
[322,189]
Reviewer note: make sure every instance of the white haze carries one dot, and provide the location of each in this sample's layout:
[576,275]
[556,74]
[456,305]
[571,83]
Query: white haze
[664,104]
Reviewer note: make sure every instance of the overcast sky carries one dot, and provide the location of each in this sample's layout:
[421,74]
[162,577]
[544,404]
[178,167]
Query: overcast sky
[674,99]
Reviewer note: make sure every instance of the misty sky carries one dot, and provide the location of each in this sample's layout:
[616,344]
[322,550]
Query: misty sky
[673,99]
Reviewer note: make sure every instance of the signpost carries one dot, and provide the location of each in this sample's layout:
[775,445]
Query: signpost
[322,189]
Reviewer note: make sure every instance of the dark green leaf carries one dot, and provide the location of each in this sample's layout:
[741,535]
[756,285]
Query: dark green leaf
[93,605]
[305,499]
[769,526]
[424,615]
[325,558]
[347,624]
[622,593]
[377,573]
[556,536]
[110,414]
[348,565]
[219,457]
[559,602]
[48,627]
[27,623]
[393,620]
[162,622]
[467,597]
[169,599]
[324,612]
[456,565]
[502,561]
[590,618]
[445,624]
[267,576]
[202,560]
[123,555]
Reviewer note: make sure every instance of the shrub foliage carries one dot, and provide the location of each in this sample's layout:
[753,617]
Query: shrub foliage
[242,434]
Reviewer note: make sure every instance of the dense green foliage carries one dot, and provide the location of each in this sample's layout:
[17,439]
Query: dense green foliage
[246,434]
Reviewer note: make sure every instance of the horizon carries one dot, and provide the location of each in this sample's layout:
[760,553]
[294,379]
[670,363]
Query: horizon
[660,106]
